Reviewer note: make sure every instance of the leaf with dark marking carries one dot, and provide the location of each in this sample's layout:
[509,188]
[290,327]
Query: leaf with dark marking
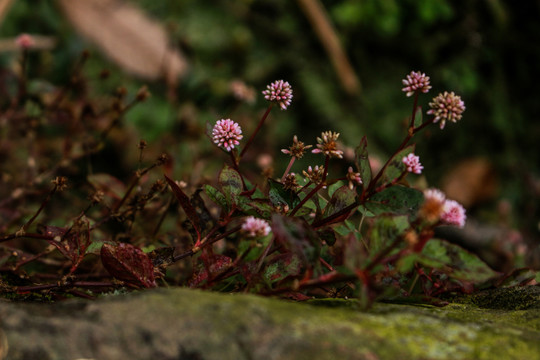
[362,162]
[231,184]
[128,263]
[341,198]
[213,266]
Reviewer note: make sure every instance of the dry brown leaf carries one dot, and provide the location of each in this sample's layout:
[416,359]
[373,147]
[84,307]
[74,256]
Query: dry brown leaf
[471,182]
[5,5]
[128,37]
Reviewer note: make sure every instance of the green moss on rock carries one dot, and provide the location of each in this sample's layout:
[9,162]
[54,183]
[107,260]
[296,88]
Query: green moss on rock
[188,324]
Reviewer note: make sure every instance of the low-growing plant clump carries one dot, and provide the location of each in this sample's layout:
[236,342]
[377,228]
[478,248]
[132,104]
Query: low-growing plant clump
[71,230]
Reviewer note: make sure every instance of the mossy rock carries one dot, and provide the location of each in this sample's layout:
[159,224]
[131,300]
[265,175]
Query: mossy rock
[194,325]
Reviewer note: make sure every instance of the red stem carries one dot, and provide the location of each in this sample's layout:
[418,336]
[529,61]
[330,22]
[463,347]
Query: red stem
[315,189]
[261,122]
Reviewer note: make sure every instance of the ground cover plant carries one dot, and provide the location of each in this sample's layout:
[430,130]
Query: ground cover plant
[333,229]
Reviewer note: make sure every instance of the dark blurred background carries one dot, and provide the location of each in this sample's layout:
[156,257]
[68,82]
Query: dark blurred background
[487,51]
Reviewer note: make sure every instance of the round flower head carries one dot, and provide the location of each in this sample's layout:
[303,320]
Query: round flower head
[25,41]
[412,162]
[226,134]
[254,227]
[453,213]
[280,92]
[327,145]
[416,81]
[446,107]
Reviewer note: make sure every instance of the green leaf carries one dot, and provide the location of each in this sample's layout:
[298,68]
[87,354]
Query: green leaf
[385,230]
[252,249]
[406,263]
[231,184]
[418,118]
[333,187]
[282,266]
[297,236]
[256,207]
[215,195]
[341,198]
[362,162]
[396,167]
[455,261]
[280,196]
[398,200]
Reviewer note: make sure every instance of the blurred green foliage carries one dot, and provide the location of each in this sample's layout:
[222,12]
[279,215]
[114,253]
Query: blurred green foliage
[487,51]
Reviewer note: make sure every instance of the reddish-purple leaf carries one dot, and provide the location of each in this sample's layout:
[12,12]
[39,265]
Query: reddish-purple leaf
[111,186]
[128,263]
[73,243]
[215,265]
[184,201]
[52,231]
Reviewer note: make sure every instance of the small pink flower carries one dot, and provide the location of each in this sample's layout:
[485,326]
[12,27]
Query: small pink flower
[25,41]
[353,178]
[254,227]
[416,81]
[453,213]
[280,92]
[413,163]
[446,107]
[434,195]
[226,134]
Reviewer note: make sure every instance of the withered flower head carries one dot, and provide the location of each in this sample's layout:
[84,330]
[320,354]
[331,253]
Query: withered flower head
[60,183]
[433,206]
[289,182]
[297,149]
[327,145]
[315,175]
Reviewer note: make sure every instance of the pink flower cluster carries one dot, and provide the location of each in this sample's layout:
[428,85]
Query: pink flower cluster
[280,92]
[446,107]
[412,162]
[226,133]
[451,212]
[25,41]
[416,81]
[254,227]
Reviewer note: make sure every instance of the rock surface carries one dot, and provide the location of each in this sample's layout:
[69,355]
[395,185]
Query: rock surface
[183,324]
